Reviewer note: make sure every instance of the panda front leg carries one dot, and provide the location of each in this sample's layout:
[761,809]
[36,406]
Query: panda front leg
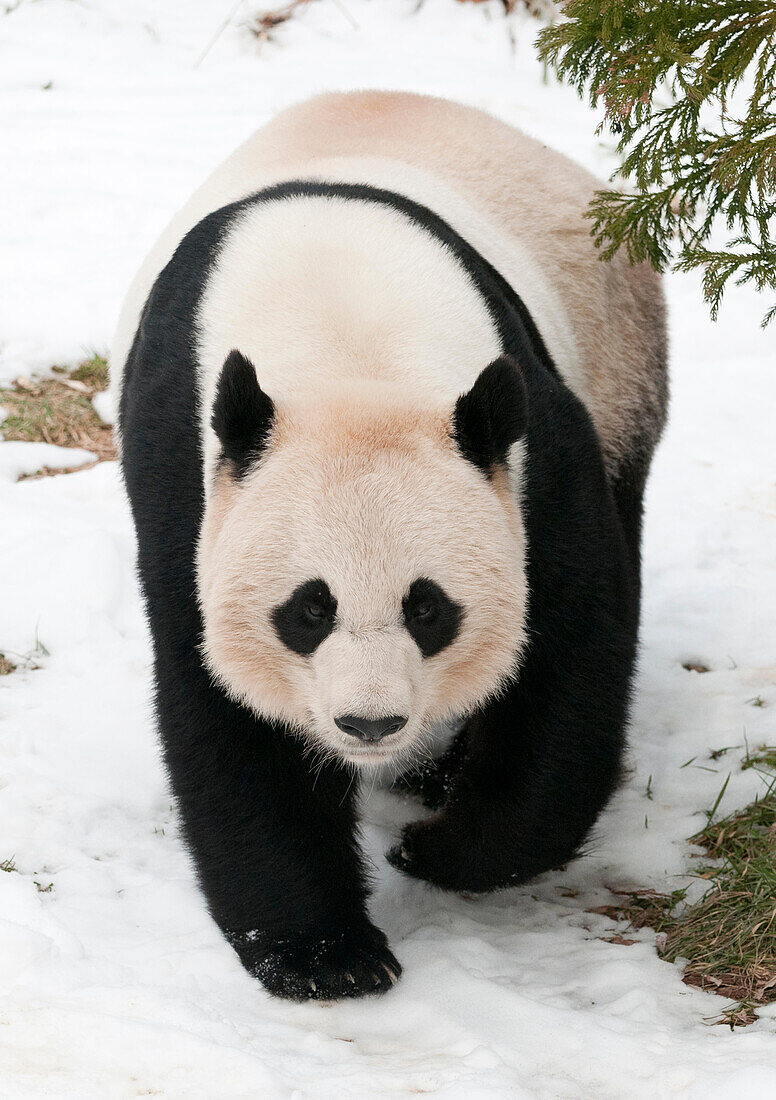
[274,842]
[536,769]
[539,762]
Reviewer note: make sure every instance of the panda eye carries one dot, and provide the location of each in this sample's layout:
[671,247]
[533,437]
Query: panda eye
[306,618]
[431,617]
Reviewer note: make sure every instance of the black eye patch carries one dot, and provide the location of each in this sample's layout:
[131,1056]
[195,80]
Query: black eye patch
[431,617]
[306,618]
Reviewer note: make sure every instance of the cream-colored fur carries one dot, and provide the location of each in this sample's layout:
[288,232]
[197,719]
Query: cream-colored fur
[366,491]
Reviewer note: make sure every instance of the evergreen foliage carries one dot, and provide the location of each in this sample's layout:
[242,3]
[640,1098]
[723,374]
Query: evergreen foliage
[703,159]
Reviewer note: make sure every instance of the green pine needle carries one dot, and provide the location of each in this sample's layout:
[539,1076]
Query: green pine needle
[690,91]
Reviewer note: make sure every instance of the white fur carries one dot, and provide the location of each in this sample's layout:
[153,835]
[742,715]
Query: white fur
[318,291]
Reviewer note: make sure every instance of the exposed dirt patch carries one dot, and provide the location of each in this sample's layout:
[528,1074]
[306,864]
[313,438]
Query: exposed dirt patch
[59,410]
[643,909]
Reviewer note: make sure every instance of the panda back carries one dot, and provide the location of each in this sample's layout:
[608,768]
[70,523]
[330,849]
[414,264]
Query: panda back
[519,204]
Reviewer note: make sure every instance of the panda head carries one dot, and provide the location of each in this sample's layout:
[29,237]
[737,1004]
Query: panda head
[361,565]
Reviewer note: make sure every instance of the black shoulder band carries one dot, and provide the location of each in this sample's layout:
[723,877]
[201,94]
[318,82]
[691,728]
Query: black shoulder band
[183,280]
[516,327]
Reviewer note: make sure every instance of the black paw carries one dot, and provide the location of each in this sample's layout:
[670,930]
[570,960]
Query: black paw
[427,851]
[351,963]
[449,854]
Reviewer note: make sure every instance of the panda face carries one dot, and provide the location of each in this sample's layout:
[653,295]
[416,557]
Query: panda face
[363,581]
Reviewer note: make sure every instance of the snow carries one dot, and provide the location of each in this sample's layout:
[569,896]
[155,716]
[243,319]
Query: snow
[103,406]
[115,982]
[17,458]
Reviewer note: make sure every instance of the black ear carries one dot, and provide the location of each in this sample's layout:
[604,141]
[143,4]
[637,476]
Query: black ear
[492,415]
[242,413]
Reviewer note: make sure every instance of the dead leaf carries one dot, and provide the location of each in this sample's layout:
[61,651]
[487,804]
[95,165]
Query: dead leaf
[26,384]
[74,384]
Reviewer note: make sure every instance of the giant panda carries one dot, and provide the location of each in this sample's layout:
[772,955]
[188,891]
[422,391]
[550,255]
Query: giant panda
[385,424]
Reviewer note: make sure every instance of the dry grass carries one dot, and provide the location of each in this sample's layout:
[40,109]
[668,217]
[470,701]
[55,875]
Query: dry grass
[6,666]
[59,410]
[93,372]
[727,939]
[762,758]
[643,909]
[539,8]
[266,23]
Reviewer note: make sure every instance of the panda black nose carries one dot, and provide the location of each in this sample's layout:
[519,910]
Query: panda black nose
[370,729]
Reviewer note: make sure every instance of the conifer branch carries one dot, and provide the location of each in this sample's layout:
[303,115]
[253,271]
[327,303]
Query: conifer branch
[702,161]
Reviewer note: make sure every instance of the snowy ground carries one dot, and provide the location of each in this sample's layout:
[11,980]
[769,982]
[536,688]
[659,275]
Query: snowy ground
[115,983]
